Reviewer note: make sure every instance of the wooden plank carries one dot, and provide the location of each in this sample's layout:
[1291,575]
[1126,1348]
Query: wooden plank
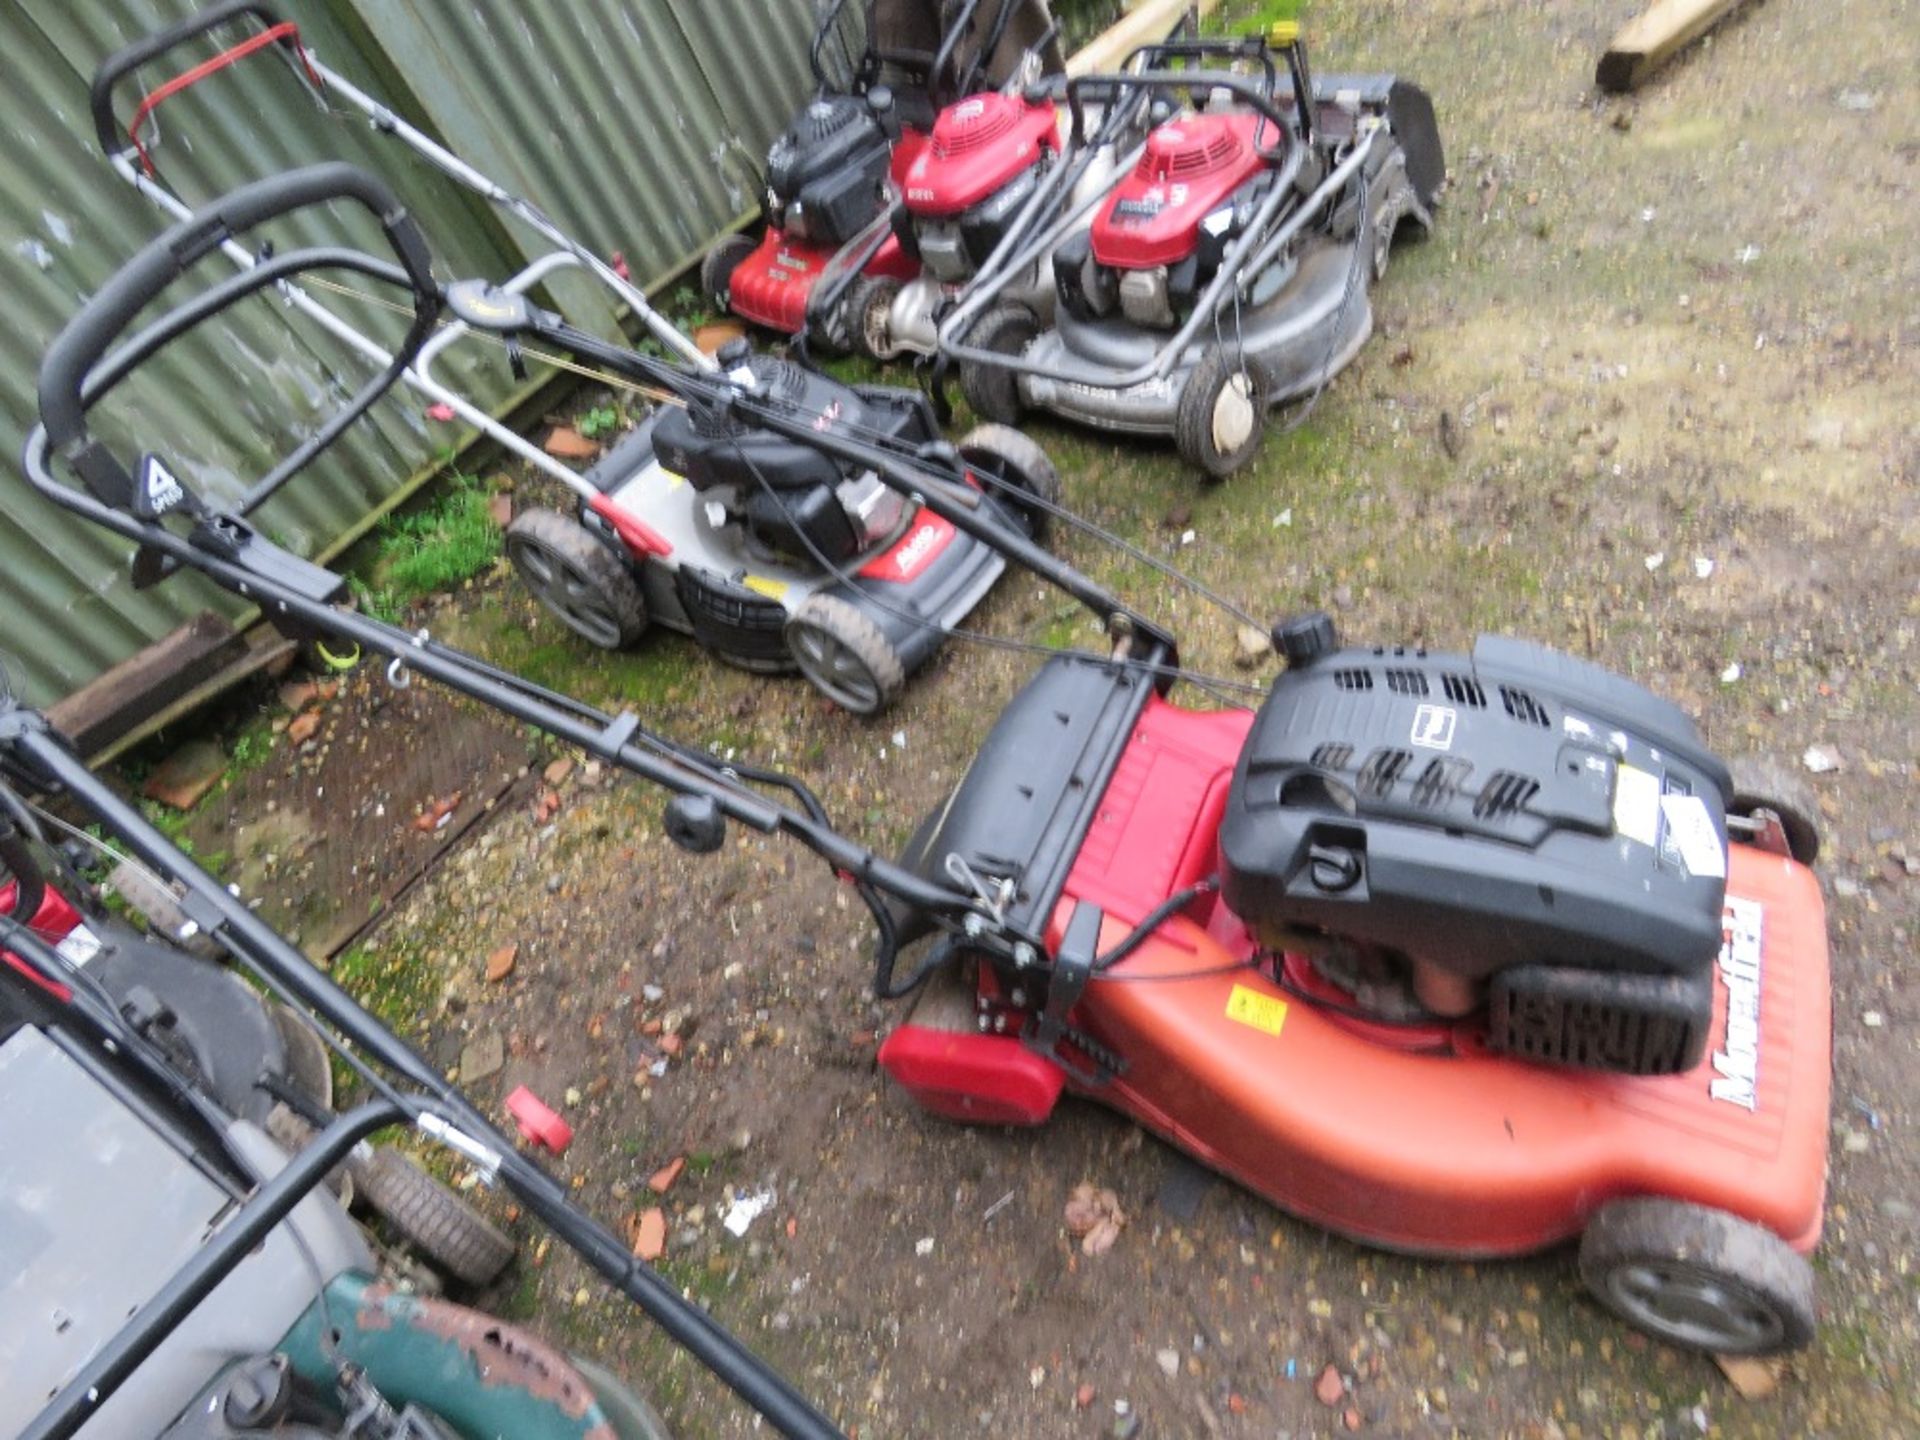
[1147,22]
[106,709]
[1649,40]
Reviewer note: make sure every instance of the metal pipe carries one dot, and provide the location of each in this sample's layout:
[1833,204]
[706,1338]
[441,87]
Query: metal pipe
[357,340]
[27,735]
[386,122]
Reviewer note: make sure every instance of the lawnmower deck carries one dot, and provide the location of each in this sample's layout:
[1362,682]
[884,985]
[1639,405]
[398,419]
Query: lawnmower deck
[773,285]
[1459,1154]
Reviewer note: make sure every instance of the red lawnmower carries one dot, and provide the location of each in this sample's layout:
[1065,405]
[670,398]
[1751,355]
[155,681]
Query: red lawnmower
[832,176]
[1227,271]
[1457,954]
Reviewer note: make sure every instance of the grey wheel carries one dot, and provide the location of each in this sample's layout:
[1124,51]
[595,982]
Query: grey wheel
[581,581]
[723,257]
[458,1239]
[1221,416]
[870,308]
[1698,1278]
[992,390]
[1021,466]
[845,655]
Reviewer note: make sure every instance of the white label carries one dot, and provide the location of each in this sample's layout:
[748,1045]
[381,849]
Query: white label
[1736,1064]
[162,489]
[1636,804]
[1433,726]
[80,945]
[1691,828]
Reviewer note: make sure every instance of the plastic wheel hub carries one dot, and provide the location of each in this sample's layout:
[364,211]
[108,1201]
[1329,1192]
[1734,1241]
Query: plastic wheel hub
[836,669]
[570,592]
[1693,1307]
[1233,414]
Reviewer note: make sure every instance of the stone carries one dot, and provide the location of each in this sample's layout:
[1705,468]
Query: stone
[185,776]
[482,1057]
[501,962]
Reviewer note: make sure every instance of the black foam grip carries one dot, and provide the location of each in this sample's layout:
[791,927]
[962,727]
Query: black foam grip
[86,337]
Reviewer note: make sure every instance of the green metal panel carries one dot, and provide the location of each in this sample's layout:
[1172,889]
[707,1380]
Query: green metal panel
[626,121]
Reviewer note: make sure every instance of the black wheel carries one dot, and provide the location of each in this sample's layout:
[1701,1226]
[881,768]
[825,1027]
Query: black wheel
[458,1239]
[1221,417]
[992,390]
[870,312]
[845,655]
[723,257]
[582,582]
[631,1417]
[1761,790]
[1698,1278]
[1021,465]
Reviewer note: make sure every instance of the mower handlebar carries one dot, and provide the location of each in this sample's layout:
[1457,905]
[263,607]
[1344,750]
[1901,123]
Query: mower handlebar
[63,393]
[122,63]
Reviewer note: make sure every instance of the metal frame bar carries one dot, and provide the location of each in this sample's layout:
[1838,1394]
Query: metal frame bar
[439,1109]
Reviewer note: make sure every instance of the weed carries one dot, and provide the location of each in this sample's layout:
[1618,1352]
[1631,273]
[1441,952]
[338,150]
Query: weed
[430,550]
[600,420]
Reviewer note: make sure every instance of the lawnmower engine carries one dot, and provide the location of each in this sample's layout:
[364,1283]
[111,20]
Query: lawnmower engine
[1160,238]
[1515,829]
[827,171]
[790,499]
[983,160]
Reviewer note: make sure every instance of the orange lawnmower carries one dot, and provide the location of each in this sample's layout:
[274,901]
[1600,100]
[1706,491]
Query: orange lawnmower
[1457,954]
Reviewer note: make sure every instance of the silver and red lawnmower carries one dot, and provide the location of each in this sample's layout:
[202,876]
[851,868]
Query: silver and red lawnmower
[833,176]
[136,1063]
[768,554]
[1228,271]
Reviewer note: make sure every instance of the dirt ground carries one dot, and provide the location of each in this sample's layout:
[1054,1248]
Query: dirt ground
[1647,395]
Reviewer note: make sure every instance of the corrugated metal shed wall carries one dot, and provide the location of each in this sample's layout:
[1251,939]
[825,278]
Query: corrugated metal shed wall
[634,124]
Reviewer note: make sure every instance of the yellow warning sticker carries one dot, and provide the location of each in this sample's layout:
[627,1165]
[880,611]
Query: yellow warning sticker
[764,585]
[1263,1012]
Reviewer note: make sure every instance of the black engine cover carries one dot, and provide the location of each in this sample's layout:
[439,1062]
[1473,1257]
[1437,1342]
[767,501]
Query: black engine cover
[711,449]
[827,171]
[1516,810]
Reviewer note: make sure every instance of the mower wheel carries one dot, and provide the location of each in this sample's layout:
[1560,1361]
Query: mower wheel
[1021,466]
[1221,417]
[723,257]
[845,655]
[1761,786]
[994,392]
[630,1416]
[576,577]
[460,1241]
[870,308]
[1699,1278]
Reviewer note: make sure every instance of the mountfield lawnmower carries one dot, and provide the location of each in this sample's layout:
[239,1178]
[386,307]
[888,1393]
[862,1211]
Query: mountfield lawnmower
[832,177]
[1457,954]
[763,550]
[130,1066]
[1228,271]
